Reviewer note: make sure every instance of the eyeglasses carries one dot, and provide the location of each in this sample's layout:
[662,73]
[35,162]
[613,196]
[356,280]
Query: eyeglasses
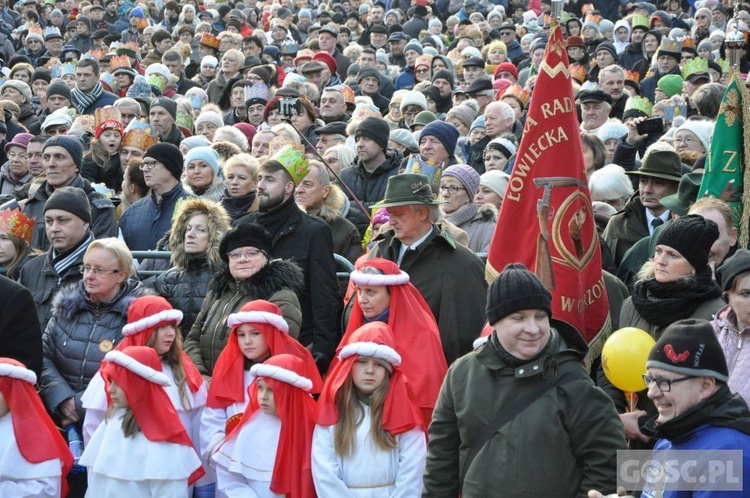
[98,272]
[423,71]
[451,188]
[249,254]
[686,140]
[147,165]
[664,385]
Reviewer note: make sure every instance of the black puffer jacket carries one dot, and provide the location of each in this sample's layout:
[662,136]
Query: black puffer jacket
[77,337]
[186,289]
[370,187]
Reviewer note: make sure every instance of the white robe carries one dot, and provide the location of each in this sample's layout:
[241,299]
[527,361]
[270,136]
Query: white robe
[370,472]
[244,464]
[120,467]
[94,401]
[20,478]
[214,421]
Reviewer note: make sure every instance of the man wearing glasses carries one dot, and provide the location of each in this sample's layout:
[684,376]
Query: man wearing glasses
[508,36]
[148,219]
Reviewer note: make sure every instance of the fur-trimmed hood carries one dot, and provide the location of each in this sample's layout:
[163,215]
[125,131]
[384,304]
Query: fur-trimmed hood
[214,193]
[218,225]
[488,212]
[278,274]
[335,206]
[72,299]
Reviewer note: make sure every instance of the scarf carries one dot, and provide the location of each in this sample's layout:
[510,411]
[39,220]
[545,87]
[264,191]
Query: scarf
[511,360]
[662,304]
[238,206]
[275,220]
[62,262]
[463,215]
[83,100]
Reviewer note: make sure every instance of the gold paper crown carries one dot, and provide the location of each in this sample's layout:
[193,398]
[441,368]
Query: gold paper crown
[139,135]
[724,63]
[97,54]
[577,72]
[105,114]
[37,30]
[640,21]
[278,143]
[419,165]
[688,43]
[142,23]
[293,159]
[633,76]
[365,111]
[670,45]
[699,65]
[518,93]
[15,222]
[85,123]
[119,62]
[639,104]
[129,48]
[348,94]
[210,41]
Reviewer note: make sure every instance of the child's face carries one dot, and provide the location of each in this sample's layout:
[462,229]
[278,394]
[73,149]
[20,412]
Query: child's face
[368,374]
[118,395]
[265,399]
[252,343]
[3,406]
[165,336]
[111,140]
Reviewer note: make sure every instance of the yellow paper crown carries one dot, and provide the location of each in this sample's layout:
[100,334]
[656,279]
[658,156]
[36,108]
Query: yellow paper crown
[688,43]
[640,21]
[577,72]
[293,160]
[518,93]
[724,63]
[119,62]
[85,123]
[139,135]
[699,65]
[15,222]
[639,104]
[633,76]
[210,40]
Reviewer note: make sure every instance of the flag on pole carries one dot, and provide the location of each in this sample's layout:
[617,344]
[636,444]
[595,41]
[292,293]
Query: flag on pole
[725,164]
[546,221]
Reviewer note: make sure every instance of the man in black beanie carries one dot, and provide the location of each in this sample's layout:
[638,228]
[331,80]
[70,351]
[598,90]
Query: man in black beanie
[162,116]
[368,178]
[145,222]
[62,156]
[58,96]
[563,422]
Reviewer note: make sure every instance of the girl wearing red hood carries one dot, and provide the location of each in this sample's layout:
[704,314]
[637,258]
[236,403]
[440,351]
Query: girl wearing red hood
[370,439]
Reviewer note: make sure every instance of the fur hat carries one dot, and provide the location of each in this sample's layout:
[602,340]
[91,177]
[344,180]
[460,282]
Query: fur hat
[245,235]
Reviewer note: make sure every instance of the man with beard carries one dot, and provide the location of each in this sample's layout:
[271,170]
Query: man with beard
[612,82]
[667,62]
[306,240]
[374,18]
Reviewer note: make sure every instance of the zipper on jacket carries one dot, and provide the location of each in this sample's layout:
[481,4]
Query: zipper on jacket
[86,351]
[223,332]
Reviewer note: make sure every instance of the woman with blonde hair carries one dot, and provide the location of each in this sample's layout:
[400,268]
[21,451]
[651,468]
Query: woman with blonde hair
[240,196]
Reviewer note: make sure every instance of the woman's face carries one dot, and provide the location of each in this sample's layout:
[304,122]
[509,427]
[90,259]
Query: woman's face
[716,42]
[103,287]
[515,105]
[39,88]
[117,395]
[485,195]
[497,56]
[111,140]
[207,129]
[368,374]
[22,75]
[274,117]
[189,16]
[208,71]
[239,181]
[7,248]
[462,128]
[332,159]
[373,300]
[650,44]
[739,301]
[574,29]
[494,159]
[230,64]
[164,337]
[588,160]
[69,80]
[685,141]
[302,122]
[197,235]
[252,343]
[394,111]
[199,175]
[670,265]
[438,64]
[610,146]
[246,261]
[524,333]
[453,195]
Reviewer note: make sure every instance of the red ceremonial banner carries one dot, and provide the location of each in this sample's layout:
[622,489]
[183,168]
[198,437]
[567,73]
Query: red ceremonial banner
[546,221]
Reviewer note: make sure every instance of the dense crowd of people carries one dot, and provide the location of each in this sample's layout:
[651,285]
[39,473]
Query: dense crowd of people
[267,145]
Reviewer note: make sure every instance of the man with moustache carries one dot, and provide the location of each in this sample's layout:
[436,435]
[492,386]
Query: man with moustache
[306,240]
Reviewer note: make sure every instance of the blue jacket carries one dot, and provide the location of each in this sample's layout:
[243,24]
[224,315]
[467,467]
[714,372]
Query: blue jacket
[514,50]
[146,221]
[405,78]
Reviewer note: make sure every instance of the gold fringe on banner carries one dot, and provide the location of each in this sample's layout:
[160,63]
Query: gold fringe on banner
[745,100]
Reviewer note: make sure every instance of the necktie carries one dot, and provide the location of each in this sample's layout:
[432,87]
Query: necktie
[655,223]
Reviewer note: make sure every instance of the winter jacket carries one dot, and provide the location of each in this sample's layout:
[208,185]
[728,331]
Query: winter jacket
[152,57]
[405,79]
[103,222]
[7,184]
[736,352]
[216,88]
[414,26]
[648,86]
[346,239]
[626,227]
[629,316]
[76,339]
[279,282]
[29,119]
[632,55]
[185,290]
[342,64]
[147,220]
[481,228]
[83,43]
[560,446]
[438,268]
[307,241]
[20,334]
[175,137]
[369,188]
[111,177]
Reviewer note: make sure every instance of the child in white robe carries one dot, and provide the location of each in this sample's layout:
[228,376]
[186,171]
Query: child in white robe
[267,455]
[34,458]
[141,450]
[369,441]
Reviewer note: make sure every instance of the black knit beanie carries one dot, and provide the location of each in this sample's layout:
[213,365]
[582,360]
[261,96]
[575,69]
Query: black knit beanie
[516,289]
[376,129]
[245,235]
[59,88]
[733,267]
[690,347]
[445,75]
[41,74]
[692,236]
[167,103]
[70,143]
[169,155]
[72,200]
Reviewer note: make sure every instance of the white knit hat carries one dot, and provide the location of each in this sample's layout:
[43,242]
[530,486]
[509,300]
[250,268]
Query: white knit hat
[413,98]
[701,129]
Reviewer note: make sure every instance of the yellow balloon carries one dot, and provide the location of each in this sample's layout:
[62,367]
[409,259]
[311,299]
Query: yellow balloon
[624,358]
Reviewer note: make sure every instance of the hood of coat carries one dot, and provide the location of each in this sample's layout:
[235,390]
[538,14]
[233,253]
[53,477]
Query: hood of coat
[278,274]
[214,192]
[218,225]
[72,299]
[335,205]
